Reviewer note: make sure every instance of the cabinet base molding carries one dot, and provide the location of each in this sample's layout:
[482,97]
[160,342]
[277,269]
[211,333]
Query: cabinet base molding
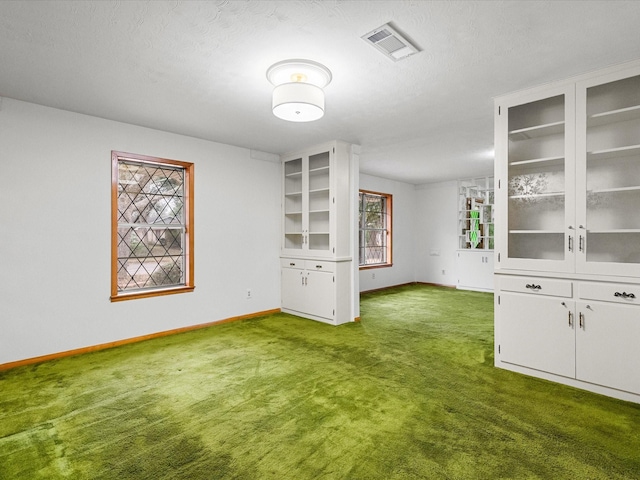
[571,382]
[319,319]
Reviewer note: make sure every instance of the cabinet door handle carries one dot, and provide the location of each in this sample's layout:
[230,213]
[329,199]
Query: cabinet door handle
[571,319]
[570,243]
[581,243]
[624,295]
[581,316]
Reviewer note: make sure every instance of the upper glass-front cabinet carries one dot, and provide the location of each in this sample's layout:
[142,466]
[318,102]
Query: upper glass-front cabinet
[568,177]
[608,150]
[307,204]
[535,138]
[475,213]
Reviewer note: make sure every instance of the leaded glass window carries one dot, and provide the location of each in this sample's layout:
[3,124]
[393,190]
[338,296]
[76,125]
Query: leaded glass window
[375,229]
[153,239]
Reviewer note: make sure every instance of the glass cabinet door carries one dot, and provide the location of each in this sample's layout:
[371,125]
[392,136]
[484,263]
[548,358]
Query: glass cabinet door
[609,146]
[307,204]
[319,201]
[293,206]
[540,177]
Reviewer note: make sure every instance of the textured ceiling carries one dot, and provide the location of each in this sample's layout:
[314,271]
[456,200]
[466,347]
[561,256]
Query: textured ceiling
[198,68]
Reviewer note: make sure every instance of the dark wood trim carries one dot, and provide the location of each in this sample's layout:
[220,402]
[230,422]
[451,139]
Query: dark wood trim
[189,231]
[104,346]
[389,198]
[114,224]
[371,267]
[435,284]
[406,284]
[151,293]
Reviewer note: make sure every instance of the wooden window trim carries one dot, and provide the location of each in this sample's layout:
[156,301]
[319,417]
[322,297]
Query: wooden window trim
[189,286]
[389,262]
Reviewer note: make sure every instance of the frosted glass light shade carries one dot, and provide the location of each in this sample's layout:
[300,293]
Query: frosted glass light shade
[298,102]
[286,71]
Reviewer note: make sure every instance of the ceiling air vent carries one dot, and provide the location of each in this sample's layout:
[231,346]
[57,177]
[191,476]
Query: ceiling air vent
[390,42]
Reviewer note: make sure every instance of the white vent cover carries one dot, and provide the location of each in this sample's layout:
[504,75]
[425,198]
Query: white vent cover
[390,42]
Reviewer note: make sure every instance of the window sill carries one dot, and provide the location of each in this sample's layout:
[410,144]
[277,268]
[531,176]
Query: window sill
[150,293]
[377,265]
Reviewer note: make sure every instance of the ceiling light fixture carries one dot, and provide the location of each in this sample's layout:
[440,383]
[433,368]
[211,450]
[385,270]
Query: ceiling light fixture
[298,95]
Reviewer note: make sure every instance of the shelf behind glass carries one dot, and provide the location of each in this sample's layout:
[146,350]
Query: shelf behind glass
[618,152]
[537,245]
[551,161]
[537,131]
[614,116]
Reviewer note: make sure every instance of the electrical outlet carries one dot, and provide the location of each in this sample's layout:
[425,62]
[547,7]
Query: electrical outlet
[373,276]
[249,294]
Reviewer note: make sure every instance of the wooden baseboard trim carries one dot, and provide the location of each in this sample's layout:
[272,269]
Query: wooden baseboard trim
[382,289]
[126,341]
[408,283]
[435,284]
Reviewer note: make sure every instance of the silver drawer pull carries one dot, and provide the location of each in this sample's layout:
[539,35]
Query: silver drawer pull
[624,295]
[292,264]
[533,286]
[318,266]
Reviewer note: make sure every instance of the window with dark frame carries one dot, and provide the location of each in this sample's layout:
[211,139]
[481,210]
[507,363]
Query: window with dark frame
[374,229]
[152,226]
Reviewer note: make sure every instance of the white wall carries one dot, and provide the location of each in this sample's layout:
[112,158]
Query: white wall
[404,228]
[436,233]
[55,232]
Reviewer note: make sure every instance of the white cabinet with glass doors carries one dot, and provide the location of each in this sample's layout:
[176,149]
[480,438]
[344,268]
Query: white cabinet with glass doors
[475,213]
[608,174]
[318,206]
[535,180]
[568,177]
[315,193]
[567,196]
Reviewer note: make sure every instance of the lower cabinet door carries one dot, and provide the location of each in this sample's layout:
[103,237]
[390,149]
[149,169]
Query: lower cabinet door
[607,350]
[320,294]
[537,332]
[293,289]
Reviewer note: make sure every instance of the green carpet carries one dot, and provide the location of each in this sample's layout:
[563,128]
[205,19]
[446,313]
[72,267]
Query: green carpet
[410,392]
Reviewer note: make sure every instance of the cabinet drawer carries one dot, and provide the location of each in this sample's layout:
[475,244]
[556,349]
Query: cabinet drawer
[610,292]
[538,286]
[292,263]
[320,266]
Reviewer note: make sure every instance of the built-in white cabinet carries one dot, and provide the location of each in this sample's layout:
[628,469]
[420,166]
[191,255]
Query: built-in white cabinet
[315,202]
[608,174]
[474,270]
[568,231]
[316,289]
[568,177]
[537,324]
[474,258]
[535,175]
[584,333]
[475,213]
[317,237]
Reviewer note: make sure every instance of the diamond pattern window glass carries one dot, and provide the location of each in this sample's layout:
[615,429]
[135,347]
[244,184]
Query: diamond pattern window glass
[375,229]
[152,216]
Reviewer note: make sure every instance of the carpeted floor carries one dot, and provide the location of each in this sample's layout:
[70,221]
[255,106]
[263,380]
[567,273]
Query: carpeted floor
[408,393]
